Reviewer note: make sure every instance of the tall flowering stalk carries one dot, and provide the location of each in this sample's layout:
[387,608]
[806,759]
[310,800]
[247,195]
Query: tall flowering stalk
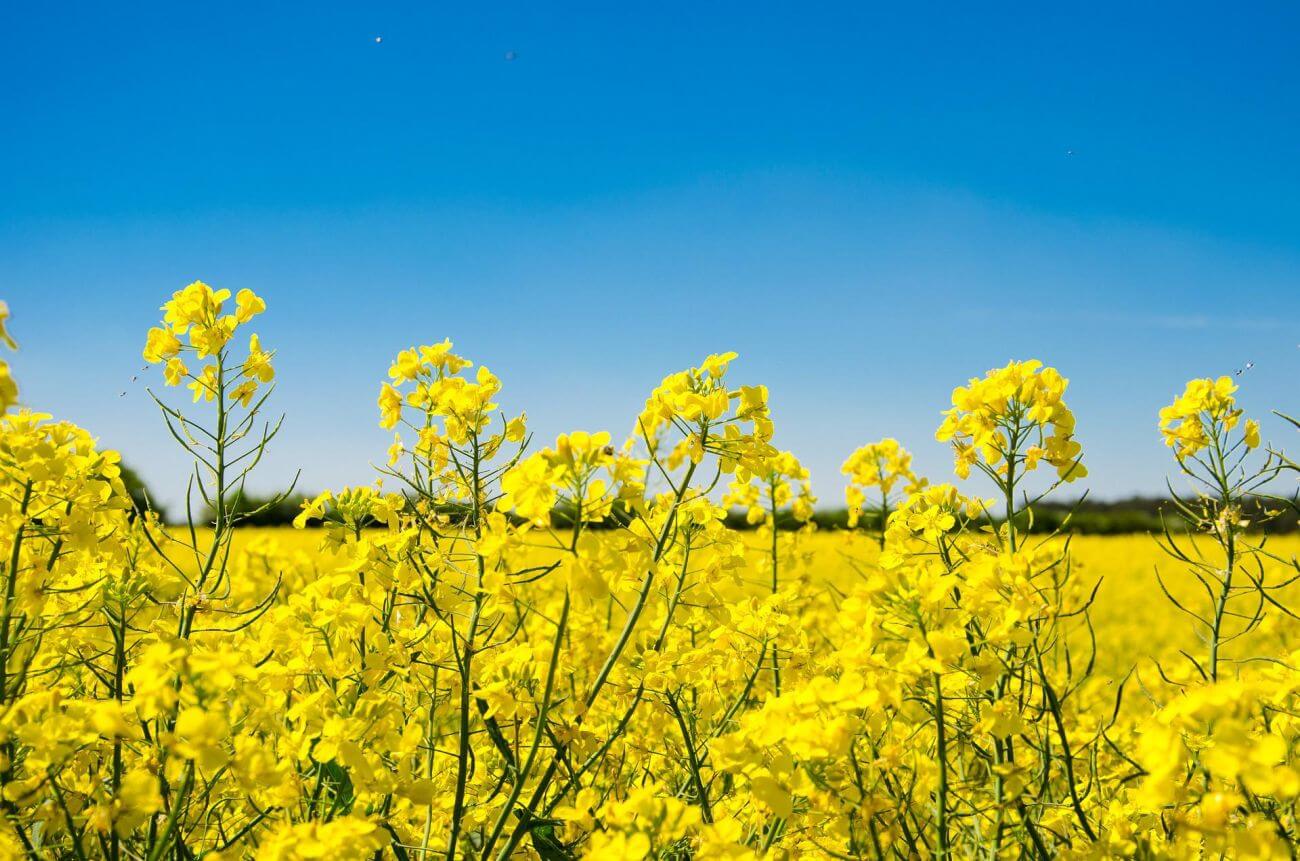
[173,696]
[878,468]
[1212,446]
[1216,758]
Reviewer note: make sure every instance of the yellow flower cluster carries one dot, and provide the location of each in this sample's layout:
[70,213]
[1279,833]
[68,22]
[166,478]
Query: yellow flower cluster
[570,475]
[930,512]
[196,314]
[445,414]
[1241,763]
[992,417]
[882,465]
[1206,409]
[567,653]
[711,418]
[781,482]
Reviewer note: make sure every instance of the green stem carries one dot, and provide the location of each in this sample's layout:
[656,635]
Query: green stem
[941,740]
[542,716]
[706,812]
[776,653]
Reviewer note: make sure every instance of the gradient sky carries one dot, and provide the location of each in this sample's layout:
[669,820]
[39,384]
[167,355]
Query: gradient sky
[870,205]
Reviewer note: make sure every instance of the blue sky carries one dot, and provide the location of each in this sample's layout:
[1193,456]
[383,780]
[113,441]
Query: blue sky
[869,204]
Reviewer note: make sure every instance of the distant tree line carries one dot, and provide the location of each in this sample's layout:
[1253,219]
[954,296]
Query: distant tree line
[258,509]
[1090,517]
[1135,514]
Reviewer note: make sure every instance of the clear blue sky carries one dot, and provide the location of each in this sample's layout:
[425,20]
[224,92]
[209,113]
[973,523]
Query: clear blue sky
[869,204]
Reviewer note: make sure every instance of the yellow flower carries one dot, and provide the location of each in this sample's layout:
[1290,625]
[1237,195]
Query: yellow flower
[196,304]
[618,847]
[248,305]
[390,406]
[208,339]
[1251,434]
[716,364]
[258,364]
[200,735]
[5,337]
[161,345]
[8,388]
[174,372]
[138,799]
[345,838]
[206,385]
[109,720]
[528,489]
[516,428]
[242,394]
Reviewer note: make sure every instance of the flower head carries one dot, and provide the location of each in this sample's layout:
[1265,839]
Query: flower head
[1014,416]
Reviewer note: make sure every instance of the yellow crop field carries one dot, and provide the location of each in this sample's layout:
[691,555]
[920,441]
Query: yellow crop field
[514,648]
[1134,622]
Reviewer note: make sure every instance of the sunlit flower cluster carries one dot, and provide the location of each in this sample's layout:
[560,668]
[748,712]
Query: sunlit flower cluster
[780,482]
[195,322]
[879,467]
[582,472]
[709,418]
[991,419]
[1206,408]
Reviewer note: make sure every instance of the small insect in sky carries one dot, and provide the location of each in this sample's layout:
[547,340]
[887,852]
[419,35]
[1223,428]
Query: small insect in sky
[134,378]
[379,40]
[511,55]
[1069,152]
[1241,371]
